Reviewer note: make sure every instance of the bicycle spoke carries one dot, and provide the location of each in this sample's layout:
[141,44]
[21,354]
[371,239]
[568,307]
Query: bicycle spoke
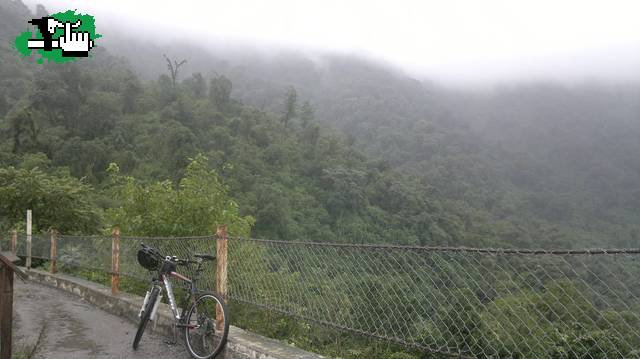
[203,340]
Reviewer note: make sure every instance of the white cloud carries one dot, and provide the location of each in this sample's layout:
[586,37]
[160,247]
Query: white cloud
[456,40]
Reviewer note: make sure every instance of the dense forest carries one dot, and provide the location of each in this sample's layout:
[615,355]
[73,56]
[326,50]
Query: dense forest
[330,148]
[67,124]
[530,165]
[171,140]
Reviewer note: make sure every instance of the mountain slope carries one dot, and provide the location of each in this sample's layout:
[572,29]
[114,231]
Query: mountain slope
[537,164]
[530,165]
[299,179]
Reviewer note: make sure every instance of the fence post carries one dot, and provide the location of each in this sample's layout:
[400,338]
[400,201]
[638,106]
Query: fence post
[28,264]
[54,251]
[221,270]
[115,261]
[6,310]
[14,242]
[7,271]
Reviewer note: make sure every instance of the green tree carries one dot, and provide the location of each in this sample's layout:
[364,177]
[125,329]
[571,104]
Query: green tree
[56,199]
[307,114]
[197,85]
[290,105]
[21,122]
[220,92]
[198,204]
[130,93]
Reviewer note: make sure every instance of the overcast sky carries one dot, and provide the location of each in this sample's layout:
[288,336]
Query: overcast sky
[450,40]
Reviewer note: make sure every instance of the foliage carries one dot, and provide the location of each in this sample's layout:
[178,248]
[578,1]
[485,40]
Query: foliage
[220,91]
[537,164]
[290,106]
[196,207]
[57,200]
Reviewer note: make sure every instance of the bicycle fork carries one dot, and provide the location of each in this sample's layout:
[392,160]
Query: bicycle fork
[154,310]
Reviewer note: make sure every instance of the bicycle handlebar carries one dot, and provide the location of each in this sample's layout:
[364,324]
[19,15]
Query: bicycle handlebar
[176,260]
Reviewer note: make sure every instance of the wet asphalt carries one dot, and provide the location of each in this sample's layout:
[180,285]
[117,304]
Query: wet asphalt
[70,328]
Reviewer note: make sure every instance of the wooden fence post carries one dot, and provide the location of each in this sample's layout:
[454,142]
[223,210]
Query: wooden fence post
[54,252]
[6,310]
[14,242]
[7,270]
[115,261]
[221,270]
[28,264]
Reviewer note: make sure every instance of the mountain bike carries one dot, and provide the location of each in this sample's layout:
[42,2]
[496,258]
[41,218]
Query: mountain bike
[203,316]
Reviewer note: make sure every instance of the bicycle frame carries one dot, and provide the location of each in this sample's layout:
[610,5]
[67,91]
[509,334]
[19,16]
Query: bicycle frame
[166,283]
[169,289]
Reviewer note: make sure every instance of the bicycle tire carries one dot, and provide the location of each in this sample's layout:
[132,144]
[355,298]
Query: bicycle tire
[210,324]
[146,315]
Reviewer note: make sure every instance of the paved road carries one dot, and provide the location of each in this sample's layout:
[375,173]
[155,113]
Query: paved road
[75,329]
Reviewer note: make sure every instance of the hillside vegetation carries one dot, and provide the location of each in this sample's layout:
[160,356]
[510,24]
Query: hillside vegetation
[334,148]
[297,178]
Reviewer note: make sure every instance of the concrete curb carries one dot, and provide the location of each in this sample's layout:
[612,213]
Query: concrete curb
[240,345]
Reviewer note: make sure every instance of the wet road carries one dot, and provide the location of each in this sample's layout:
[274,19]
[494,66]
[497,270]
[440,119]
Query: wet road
[75,329]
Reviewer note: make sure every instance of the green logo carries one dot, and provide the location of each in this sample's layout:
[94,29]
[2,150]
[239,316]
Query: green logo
[59,37]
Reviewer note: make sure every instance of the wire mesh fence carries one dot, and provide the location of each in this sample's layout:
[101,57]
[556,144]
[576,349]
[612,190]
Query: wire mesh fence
[472,303]
[5,242]
[460,302]
[181,247]
[95,253]
[7,245]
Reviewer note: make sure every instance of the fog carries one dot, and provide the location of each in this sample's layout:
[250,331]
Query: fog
[460,42]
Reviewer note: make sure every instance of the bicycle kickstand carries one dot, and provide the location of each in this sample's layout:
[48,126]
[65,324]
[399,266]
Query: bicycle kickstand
[174,340]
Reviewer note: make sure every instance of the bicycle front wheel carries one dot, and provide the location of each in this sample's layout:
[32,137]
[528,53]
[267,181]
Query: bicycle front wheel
[146,315]
[207,326]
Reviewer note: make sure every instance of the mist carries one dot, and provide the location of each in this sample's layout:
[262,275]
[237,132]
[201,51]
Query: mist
[453,42]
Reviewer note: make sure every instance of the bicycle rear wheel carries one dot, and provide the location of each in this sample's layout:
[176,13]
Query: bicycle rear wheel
[207,326]
[146,315]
